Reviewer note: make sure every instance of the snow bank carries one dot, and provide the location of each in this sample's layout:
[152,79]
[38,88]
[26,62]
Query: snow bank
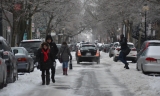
[136,81]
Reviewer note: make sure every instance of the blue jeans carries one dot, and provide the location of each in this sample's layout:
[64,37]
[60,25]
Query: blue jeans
[122,58]
[65,64]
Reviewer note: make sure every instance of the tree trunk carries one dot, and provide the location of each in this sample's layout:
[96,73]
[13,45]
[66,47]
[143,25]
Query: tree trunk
[22,31]
[48,25]
[29,33]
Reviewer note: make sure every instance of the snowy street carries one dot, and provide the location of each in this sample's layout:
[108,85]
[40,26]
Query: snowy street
[108,78]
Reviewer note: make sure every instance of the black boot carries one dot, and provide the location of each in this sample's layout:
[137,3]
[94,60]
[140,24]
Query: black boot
[47,79]
[53,74]
[43,79]
[126,66]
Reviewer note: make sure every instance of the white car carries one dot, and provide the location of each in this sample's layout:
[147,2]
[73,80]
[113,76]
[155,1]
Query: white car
[132,56]
[113,48]
[149,60]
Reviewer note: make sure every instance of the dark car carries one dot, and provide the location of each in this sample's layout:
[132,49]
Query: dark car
[32,46]
[24,60]
[10,60]
[106,48]
[89,53]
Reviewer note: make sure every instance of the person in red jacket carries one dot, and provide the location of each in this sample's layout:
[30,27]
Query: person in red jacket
[45,59]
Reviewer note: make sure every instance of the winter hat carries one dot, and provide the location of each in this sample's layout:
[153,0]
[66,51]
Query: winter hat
[49,37]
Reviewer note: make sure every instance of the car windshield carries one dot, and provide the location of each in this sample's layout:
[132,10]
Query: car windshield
[30,45]
[20,50]
[130,45]
[154,44]
[86,47]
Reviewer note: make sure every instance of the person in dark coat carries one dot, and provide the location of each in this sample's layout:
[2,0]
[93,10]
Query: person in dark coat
[44,57]
[65,53]
[122,56]
[54,49]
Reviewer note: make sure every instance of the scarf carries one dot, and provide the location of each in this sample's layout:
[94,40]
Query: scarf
[45,53]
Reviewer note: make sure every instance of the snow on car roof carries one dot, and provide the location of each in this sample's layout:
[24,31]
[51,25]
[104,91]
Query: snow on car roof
[153,41]
[31,40]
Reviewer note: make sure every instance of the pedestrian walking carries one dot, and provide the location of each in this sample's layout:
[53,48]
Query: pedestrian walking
[65,55]
[54,49]
[124,46]
[44,57]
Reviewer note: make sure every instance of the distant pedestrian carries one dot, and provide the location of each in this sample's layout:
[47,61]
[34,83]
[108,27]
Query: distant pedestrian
[65,55]
[54,49]
[122,55]
[44,57]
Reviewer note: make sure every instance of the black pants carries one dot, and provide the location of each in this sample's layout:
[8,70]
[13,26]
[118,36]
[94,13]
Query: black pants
[45,72]
[53,72]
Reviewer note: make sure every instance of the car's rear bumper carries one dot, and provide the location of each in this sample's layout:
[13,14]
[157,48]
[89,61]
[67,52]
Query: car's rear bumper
[88,58]
[131,58]
[151,67]
[128,58]
[23,66]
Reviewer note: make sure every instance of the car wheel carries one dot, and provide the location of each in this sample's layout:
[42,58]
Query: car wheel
[115,59]
[137,67]
[98,61]
[29,68]
[134,61]
[78,61]
[32,69]
[16,76]
[143,70]
[11,78]
[110,55]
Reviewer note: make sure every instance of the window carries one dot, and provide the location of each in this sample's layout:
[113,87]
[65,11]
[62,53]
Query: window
[20,51]
[6,46]
[86,47]
[154,44]
[31,46]
[144,52]
[130,46]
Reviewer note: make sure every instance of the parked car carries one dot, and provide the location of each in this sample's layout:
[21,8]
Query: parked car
[10,60]
[89,53]
[146,44]
[3,72]
[32,46]
[73,47]
[24,60]
[106,48]
[132,56]
[112,48]
[149,60]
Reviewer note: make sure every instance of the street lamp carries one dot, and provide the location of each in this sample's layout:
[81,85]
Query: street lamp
[145,9]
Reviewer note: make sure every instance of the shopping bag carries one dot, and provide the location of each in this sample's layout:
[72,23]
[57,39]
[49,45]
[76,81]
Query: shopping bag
[127,51]
[70,65]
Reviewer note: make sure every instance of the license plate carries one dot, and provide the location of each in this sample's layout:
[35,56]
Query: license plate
[88,54]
